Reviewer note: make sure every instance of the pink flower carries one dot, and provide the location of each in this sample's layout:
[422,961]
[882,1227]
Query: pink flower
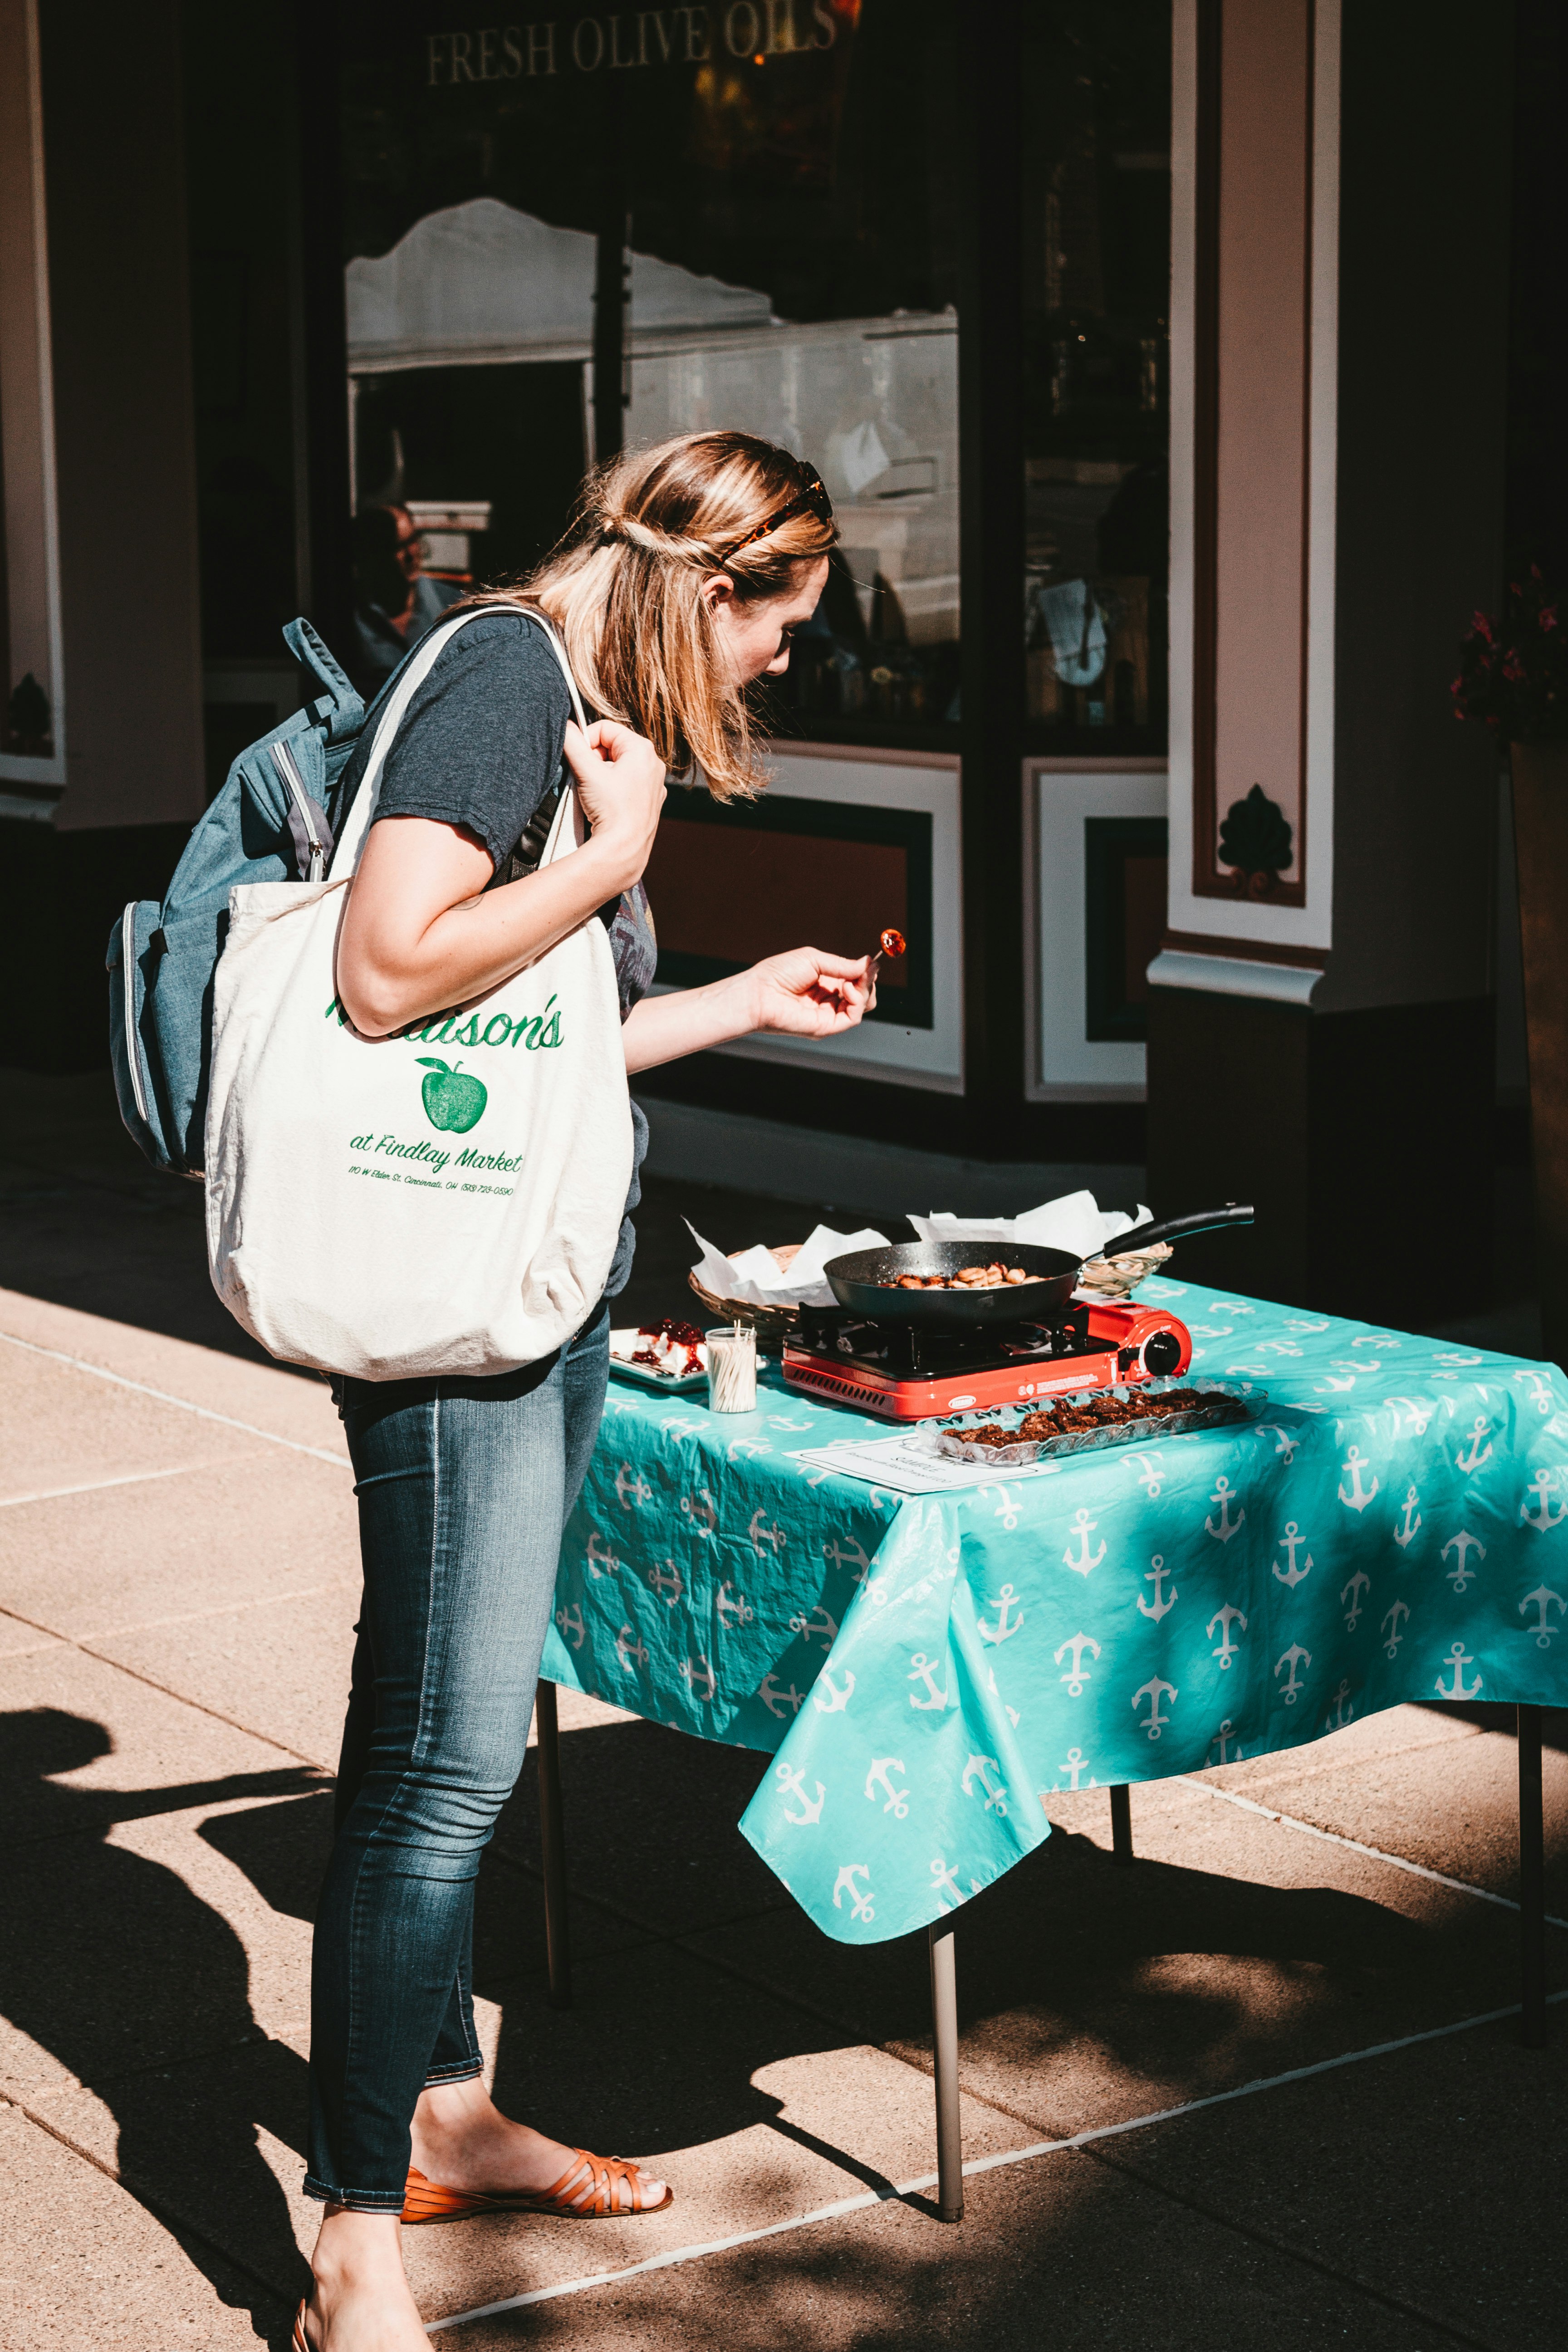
[1481,627]
[1547,617]
[1512,669]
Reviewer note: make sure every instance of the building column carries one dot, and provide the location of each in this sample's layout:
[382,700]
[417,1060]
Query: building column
[1320,1020]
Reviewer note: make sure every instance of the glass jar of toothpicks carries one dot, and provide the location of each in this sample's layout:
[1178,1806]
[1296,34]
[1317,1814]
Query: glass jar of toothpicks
[731,1368]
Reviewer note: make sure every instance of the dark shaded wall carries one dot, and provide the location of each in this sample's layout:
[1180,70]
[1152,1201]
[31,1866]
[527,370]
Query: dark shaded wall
[1372,1192]
[1425,169]
[115,194]
[115,180]
[1538,326]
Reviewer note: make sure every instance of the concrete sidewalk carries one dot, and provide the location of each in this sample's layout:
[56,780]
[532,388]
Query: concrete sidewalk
[1314,2125]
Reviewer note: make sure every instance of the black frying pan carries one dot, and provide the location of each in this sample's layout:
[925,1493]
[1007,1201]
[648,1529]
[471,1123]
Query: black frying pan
[865,1281]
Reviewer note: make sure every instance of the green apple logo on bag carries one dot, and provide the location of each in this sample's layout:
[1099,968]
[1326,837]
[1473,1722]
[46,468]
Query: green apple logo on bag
[452,1102]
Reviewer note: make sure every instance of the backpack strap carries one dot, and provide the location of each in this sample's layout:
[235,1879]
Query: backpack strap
[356,825]
[341,709]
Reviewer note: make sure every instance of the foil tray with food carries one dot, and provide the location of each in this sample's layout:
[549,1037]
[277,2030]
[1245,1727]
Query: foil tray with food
[1090,1419]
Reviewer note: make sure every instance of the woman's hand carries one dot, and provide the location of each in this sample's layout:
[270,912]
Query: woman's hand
[620,784]
[807,993]
[421,930]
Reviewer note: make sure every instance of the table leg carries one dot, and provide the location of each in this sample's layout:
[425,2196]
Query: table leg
[945,2021]
[1120,1822]
[1531,1883]
[552,1847]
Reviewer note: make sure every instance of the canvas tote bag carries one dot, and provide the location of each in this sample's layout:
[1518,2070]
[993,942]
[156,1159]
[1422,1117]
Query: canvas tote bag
[445,1201]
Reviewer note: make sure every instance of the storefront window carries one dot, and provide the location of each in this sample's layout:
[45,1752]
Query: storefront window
[1096,297]
[774,173]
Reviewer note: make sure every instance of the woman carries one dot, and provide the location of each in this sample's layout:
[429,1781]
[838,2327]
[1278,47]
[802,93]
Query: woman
[690,566]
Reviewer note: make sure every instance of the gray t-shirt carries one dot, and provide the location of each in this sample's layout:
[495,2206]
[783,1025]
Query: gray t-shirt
[480,746]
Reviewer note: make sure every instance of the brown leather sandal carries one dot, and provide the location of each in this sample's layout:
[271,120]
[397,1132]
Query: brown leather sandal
[586,2192]
[300,2342]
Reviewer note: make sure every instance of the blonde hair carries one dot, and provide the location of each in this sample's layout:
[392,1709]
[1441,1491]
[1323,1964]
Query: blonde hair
[623,587]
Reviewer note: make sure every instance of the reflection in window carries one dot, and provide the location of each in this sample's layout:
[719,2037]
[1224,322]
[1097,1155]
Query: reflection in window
[1096,294]
[819,178]
[791,273]
[874,403]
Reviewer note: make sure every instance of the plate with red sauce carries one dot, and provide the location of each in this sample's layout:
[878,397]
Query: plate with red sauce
[669,1355]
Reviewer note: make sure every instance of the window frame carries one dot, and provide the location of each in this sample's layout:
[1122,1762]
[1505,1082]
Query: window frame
[31,785]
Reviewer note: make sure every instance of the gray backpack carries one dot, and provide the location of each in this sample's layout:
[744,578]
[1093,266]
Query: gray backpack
[273,821]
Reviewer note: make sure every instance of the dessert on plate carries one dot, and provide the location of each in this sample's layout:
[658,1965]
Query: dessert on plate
[671,1347]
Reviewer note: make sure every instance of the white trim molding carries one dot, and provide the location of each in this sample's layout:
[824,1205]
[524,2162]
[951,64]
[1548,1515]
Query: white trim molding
[27,405]
[1222,975]
[1063,1063]
[1234,922]
[1183,441]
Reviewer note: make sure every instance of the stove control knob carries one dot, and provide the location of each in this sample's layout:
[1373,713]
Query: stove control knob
[1161,1352]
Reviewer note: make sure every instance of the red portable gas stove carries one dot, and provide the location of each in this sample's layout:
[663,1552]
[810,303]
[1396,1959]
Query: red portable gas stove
[901,1373]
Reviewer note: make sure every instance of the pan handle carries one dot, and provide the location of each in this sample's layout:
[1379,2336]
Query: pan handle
[1202,1221]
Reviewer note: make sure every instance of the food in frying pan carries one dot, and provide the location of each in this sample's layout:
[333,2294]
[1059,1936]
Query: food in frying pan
[968,1277]
[1072,1418]
[668,1346]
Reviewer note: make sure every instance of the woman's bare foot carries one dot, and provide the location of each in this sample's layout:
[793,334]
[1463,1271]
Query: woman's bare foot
[361,2300]
[462,2140]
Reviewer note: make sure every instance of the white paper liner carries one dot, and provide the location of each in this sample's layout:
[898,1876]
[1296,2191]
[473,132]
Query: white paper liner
[1075,1222]
[757,1279]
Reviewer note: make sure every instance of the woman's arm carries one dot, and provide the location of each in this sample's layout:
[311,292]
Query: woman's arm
[804,993]
[422,932]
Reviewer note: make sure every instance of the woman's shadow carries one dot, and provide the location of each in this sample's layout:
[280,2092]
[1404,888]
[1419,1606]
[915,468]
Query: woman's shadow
[141,1991]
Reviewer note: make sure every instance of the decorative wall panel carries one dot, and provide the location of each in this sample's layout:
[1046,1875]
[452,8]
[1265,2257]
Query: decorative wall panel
[843,843]
[1095,886]
[1255,164]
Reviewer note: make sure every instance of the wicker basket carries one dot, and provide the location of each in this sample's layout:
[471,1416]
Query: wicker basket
[771,1324]
[1112,1278]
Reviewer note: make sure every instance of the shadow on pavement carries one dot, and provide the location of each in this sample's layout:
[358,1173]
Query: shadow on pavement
[1085,1992]
[125,1976]
[1066,1950]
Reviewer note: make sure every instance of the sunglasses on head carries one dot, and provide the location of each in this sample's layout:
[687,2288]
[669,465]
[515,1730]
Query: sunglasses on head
[811,498]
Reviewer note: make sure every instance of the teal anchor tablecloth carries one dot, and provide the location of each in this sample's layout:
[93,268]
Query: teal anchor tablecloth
[928,1668]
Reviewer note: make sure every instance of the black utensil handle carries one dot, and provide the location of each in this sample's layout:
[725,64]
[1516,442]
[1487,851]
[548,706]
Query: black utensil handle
[1202,1220]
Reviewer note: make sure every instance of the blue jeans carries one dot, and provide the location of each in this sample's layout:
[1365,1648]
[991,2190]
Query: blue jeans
[464,1487]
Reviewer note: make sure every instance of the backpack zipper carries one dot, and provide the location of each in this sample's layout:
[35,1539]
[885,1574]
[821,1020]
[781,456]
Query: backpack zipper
[283,760]
[128,982]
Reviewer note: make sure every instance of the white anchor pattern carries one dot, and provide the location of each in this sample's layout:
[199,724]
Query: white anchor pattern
[792,1782]
[1385,1529]
[1545,1601]
[1293,1541]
